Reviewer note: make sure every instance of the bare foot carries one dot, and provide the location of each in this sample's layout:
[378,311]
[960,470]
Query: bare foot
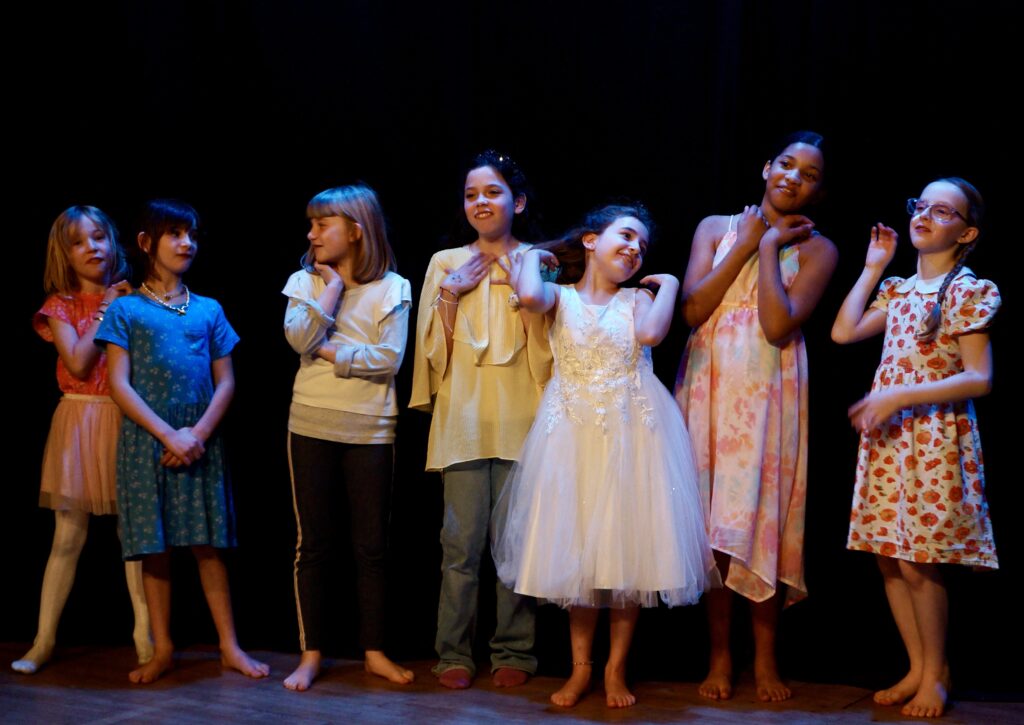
[901,691]
[575,687]
[307,671]
[236,659]
[930,701]
[615,691]
[769,686]
[33,660]
[153,670]
[377,663]
[718,684]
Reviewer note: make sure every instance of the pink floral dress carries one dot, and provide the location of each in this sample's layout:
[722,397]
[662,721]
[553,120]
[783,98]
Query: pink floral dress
[920,491]
[745,404]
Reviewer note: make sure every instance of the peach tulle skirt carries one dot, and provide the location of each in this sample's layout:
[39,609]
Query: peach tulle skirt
[80,460]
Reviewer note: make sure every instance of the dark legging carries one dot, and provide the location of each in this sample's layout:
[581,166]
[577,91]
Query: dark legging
[322,471]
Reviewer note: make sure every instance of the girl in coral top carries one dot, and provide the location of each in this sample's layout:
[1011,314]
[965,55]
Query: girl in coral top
[85,270]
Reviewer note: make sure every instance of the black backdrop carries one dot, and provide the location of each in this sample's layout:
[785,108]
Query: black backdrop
[246,110]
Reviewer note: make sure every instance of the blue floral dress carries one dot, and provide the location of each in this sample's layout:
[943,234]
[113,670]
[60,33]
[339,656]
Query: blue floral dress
[171,355]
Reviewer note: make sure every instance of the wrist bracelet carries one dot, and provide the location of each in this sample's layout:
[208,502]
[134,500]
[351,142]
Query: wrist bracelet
[445,289]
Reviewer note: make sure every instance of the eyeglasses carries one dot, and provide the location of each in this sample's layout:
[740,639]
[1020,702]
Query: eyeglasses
[942,213]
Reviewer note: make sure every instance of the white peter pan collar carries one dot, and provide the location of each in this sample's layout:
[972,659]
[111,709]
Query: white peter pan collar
[929,286]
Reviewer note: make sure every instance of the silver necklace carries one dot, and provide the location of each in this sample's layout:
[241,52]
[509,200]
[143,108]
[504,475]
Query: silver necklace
[162,299]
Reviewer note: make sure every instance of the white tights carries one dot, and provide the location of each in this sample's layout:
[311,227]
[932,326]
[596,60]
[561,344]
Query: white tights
[68,540]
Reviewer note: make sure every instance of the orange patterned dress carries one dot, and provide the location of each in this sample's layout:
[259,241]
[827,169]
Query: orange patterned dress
[745,404]
[920,492]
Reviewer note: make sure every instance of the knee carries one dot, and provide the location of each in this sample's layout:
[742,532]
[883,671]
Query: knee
[919,575]
[888,566]
[204,553]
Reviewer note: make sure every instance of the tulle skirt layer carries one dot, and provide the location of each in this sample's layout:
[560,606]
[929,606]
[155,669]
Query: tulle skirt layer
[602,509]
[80,458]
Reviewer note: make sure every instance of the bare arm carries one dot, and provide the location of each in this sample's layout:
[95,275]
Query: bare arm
[974,382]
[781,311]
[854,322]
[535,295]
[223,391]
[705,284]
[653,317]
[79,354]
[183,444]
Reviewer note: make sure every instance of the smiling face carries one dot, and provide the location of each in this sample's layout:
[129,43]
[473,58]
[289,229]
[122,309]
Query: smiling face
[619,250]
[89,253]
[332,239]
[489,203]
[793,178]
[927,233]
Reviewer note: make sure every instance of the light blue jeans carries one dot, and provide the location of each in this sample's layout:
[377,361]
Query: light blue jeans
[470,492]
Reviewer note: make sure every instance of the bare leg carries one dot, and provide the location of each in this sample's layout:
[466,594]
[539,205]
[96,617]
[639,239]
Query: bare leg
[621,626]
[582,622]
[306,672]
[214,577]
[765,616]
[718,684]
[69,535]
[156,580]
[137,593]
[378,663]
[931,612]
[898,594]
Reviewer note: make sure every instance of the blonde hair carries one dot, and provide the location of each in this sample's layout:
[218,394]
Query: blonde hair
[357,204]
[59,276]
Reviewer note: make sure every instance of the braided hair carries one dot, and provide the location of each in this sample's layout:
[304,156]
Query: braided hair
[975,210]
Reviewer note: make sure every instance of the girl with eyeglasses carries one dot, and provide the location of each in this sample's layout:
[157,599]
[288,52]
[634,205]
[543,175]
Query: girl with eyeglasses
[919,498]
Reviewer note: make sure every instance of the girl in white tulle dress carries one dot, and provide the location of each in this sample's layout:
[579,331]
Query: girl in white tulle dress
[603,508]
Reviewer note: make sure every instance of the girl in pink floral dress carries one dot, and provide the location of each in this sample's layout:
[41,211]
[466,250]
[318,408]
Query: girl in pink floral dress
[752,280]
[919,498]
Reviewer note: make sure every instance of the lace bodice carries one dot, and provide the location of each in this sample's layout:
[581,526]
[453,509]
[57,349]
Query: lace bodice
[598,361]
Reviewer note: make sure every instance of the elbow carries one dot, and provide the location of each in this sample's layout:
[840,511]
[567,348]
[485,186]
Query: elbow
[649,340]
[984,385]
[532,302]
[693,314]
[779,333]
[841,336]
[777,336]
[79,372]
[301,344]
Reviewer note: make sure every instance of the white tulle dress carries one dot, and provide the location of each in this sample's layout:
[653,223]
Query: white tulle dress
[602,509]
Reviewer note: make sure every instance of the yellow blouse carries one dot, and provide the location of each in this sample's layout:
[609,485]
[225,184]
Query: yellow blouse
[484,399]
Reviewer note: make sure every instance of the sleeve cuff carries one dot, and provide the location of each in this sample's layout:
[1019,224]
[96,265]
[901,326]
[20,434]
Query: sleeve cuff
[343,360]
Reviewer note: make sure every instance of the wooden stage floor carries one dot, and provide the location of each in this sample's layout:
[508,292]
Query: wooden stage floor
[90,685]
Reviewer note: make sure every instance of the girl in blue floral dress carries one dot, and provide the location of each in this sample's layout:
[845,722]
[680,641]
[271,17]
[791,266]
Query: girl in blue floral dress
[169,354]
